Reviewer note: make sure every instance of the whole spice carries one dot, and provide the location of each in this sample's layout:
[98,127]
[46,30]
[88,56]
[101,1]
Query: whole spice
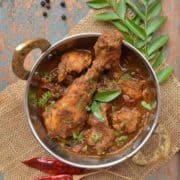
[62,4]
[43,3]
[47,1]
[45,14]
[63,17]
[52,166]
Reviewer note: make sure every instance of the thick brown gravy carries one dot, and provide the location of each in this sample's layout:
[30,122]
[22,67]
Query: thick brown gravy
[126,115]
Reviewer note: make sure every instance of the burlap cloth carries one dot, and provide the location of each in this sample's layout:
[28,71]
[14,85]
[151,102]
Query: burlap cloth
[17,142]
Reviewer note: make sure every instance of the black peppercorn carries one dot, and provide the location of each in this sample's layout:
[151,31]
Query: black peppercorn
[43,3]
[45,14]
[63,4]
[48,1]
[48,6]
[63,17]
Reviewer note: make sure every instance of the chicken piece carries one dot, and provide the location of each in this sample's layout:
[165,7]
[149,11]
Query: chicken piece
[93,121]
[115,72]
[69,113]
[73,61]
[106,82]
[126,119]
[43,83]
[99,137]
[132,89]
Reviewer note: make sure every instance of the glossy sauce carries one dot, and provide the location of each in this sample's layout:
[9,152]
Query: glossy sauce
[131,71]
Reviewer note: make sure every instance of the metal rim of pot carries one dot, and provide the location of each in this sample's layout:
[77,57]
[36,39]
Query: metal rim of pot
[17,65]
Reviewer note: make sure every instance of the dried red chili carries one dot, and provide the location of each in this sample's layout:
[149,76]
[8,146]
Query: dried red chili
[58,177]
[52,166]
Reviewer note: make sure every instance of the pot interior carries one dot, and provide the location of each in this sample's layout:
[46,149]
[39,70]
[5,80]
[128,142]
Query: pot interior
[48,61]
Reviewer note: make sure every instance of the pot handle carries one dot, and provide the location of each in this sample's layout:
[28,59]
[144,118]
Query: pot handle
[152,153]
[22,51]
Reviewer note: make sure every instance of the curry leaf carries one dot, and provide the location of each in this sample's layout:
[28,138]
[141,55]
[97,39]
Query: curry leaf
[106,96]
[120,26]
[121,140]
[140,43]
[126,76]
[137,20]
[78,137]
[107,16]
[112,3]
[157,44]
[154,9]
[137,30]
[121,9]
[148,106]
[136,9]
[128,39]
[97,4]
[96,137]
[153,56]
[95,109]
[145,2]
[155,24]
[164,74]
[158,61]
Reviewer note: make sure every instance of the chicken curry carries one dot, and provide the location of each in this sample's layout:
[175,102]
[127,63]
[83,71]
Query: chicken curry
[94,101]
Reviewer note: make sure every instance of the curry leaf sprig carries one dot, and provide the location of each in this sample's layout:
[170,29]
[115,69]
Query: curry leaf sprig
[139,29]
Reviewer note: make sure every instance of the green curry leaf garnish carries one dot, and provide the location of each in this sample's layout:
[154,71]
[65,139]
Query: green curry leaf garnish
[126,76]
[121,140]
[148,106]
[107,95]
[78,137]
[95,109]
[99,98]
[96,137]
[43,101]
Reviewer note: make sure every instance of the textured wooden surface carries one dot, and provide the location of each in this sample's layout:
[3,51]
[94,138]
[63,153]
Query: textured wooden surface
[22,19]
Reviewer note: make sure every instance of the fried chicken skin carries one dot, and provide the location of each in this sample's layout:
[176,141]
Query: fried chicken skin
[100,135]
[132,89]
[69,114]
[73,61]
[126,119]
[101,138]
